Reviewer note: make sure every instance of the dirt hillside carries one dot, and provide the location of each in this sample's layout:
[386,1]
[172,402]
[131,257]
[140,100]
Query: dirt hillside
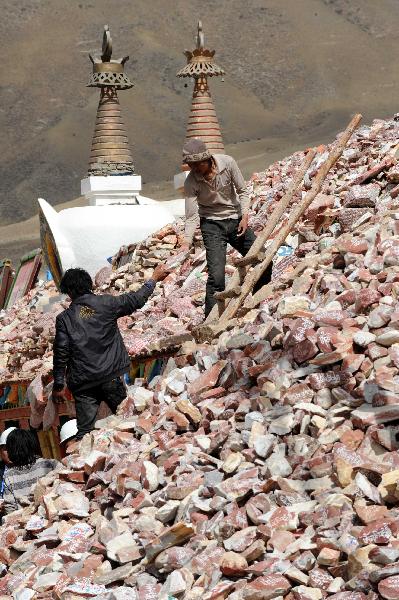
[295,71]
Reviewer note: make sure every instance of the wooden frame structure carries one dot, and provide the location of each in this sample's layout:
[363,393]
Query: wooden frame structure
[6,280]
[25,277]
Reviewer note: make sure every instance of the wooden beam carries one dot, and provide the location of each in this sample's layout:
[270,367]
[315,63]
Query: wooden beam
[267,290]
[253,276]
[229,293]
[206,333]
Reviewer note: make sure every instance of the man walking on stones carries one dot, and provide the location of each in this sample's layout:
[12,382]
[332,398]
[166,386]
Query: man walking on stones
[89,353]
[216,193]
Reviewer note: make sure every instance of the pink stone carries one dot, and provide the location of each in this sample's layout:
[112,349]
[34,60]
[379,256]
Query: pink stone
[280,540]
[319,204]
[240,540]
[394,354]
[298,331]
[352,438]
[207,380]
[207,561]
[348,596]
[256,507]
[328,359]
[371,513]
[329,379]
[352,362]
[376,533]
[266,588]
[319,578]
[304,351]
[299,392]
[333,318]
[327,338]
[389,588]
[366,415]
[347,298]
[354,245]
[376,351]
[366,298]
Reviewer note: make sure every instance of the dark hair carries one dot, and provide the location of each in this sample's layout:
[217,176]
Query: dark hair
[75,283]
[22,447]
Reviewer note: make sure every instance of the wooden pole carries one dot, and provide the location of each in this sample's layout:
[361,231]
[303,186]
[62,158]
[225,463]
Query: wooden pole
[296,213]
[257,247]
[278,212]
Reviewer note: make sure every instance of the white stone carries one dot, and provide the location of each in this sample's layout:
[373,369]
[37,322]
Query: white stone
[203,442]
[118,543]
[151,475]
[168,511]
[263,445]
[282,425]
[278,465]
[175,583]
[308,592]
[176,384]
[141,398]
[292,304]
[46,581]
[25,594]
[389,337]
[363,338]
[179,179]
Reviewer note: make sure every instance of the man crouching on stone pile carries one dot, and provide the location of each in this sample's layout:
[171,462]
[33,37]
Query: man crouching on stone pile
[216,192]
[89,353]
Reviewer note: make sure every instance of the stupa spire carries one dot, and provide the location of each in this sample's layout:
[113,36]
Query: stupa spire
[110,152]
[202,121]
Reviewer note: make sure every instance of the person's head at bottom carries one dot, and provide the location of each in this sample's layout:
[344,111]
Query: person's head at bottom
[67,435]
[76,282]
[3,450]
[22,448]
[197,156]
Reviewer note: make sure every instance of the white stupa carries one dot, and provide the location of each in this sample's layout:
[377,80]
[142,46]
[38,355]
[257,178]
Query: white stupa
[116,214]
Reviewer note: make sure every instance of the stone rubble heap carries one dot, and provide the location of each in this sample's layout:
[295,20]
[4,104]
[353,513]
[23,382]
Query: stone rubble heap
[27,332]
[263,465]
[177,303]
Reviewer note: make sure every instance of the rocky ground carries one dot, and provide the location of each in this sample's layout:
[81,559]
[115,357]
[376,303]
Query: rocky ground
[261,465]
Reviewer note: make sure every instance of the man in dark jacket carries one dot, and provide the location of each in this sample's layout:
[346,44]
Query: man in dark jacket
[89,354]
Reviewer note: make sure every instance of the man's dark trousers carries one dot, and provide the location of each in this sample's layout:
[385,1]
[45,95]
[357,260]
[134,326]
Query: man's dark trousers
[87,403]
[216,235]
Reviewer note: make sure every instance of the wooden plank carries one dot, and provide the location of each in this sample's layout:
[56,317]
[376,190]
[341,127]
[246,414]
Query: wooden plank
[206,333]
[257,247]
[253,276]
[278,212]
[25,277]
[6,279]
[267,290]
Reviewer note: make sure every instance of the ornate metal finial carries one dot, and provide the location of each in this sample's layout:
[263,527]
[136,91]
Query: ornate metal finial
[200,36]
[107,45]
[108,72]
[200,61]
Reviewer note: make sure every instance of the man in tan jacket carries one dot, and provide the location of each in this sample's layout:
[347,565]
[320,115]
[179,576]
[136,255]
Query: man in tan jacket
[216,196]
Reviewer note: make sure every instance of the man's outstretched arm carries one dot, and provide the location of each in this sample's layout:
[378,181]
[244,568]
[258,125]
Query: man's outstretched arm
[126,304]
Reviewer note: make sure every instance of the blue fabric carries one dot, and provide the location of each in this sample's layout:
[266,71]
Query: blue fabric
[150,284]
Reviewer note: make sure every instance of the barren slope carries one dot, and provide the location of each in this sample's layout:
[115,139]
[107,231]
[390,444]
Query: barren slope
[295,71]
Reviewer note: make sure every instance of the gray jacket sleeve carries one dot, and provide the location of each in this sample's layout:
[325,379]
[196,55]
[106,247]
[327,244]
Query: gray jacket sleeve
[191,209]
[241,186]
